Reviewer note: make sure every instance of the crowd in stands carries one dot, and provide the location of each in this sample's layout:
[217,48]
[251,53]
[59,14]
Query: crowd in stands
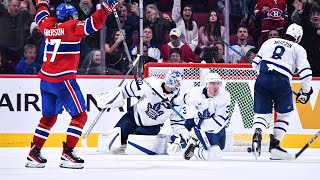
[177,31]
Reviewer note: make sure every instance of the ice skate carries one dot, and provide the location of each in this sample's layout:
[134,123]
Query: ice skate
[276,152]
[35,158]
[188,153]
[69,159]
[256,143]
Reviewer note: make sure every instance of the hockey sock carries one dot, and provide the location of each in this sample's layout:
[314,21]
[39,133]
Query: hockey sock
[43,130]
[75,129]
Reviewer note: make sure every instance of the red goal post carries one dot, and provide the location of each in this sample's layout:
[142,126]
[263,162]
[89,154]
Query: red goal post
[238,79]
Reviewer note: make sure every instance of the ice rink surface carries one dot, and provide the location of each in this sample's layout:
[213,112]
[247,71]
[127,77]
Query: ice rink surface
[233,166]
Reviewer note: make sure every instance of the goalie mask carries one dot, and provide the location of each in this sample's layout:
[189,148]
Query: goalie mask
[295,31]
[64,11]
[173,79]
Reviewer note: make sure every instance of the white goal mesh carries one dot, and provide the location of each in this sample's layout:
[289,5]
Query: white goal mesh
[238,80]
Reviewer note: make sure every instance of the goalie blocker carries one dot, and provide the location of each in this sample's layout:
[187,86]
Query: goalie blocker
[136,144]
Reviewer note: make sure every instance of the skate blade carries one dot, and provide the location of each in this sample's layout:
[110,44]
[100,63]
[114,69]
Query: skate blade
[33,164]
[71,165]
[280,155]
[254,150]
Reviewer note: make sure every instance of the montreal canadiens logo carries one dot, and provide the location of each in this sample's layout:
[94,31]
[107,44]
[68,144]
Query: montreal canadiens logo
[275,14]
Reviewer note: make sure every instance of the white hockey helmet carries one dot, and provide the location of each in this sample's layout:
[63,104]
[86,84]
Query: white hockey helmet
[295,31]
[213,77]
[173,79]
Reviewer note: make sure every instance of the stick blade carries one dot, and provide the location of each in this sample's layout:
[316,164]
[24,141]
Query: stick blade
[84,144]
[283,155]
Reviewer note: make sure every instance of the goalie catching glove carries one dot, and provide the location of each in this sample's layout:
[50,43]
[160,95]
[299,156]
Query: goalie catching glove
[303,97]
[110,99]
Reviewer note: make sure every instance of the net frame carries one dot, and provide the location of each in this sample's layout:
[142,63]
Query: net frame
[235,76]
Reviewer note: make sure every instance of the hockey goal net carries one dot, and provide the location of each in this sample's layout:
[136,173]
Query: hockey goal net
[238,80]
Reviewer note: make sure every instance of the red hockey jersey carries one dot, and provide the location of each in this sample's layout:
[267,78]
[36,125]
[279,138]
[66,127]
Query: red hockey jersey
[62,47]
[275,18]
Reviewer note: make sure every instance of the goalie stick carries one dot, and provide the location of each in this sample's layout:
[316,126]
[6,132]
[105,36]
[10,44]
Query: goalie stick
[84,139]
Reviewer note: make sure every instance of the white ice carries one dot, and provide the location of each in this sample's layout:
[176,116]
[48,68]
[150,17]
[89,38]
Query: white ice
[233,166]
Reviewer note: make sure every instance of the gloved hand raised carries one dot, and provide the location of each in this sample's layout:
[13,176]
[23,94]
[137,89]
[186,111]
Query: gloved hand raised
[42,3]
[110,5]
[303,97]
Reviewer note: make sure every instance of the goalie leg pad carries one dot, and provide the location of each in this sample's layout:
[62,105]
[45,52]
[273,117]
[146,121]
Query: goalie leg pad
[111,141]
[146,145]
[209,139]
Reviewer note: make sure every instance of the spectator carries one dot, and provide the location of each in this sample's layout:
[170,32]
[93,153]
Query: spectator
[6,66]
[211,32]
[27,64]
[309,16]
[115,54]
[183,19]
[144,60]
[92,65]
[273,33]
[272,15]
[153,50]
[175,42]
[214,54]
[175,55]
[15,24]
[240,12]
[160,24]
[129,24]
[36,38]
[29,6]
[241,46]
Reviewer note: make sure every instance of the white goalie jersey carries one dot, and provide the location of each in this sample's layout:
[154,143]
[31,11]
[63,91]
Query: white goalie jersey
[149,110]
[285,57]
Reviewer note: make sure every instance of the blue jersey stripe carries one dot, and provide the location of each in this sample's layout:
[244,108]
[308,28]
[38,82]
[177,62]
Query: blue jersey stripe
[64,47]
[41,15]
[74,131]
[42,133]
[89,26]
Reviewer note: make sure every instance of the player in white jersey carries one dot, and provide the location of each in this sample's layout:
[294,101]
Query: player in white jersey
[150,112]
[212,104]
[276,62]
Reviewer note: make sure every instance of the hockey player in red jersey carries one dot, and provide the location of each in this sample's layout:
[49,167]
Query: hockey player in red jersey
[58,76]
[273,15]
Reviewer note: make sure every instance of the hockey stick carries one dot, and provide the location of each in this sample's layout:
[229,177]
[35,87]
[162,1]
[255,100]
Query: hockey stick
[171,107]
[308,144]
[234,50]
[84,139]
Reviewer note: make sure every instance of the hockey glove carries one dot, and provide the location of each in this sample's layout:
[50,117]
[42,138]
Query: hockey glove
[167,103]
[42,3]
[189,124]
[303,97]
[110,5]
[178,143]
